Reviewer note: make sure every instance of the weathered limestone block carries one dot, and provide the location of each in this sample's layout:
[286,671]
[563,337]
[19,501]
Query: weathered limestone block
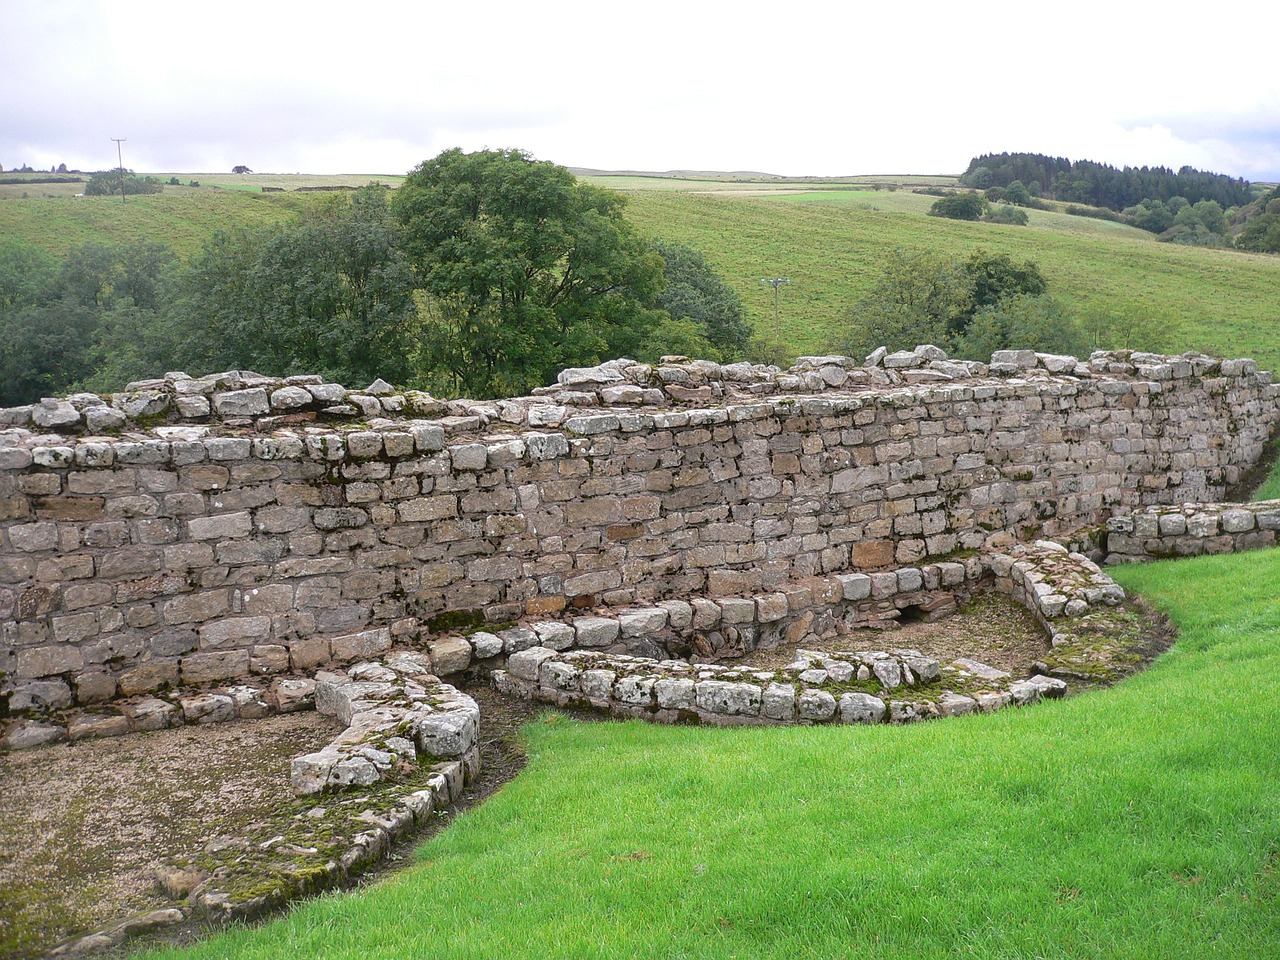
[675,693]
[526,664]
[596,631]
[635,691]
[861,708]
[816,705]
[449,733]
[728,698]
[93,726]
[486,645]
[598,684]
[242,403]
[450,655]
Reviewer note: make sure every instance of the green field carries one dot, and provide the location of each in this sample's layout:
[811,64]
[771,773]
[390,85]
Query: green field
[831,238]
[833,246]
[1137,822]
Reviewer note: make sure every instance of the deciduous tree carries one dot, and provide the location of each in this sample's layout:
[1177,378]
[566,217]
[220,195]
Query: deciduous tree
[525,270]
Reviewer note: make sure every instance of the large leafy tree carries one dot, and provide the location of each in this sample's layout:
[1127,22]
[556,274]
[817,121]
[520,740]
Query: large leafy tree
[62,324]
[926,298]
[524,270]
[330,295]
[695,292]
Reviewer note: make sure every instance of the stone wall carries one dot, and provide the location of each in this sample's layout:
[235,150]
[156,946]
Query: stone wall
[1190,529]
[195,531]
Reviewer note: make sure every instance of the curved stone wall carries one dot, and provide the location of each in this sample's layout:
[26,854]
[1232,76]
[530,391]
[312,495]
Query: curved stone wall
[198,531]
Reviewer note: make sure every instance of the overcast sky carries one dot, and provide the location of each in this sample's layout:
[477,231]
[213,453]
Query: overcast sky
[795,88]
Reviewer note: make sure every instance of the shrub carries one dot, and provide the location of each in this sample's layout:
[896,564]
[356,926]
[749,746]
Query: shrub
[962,206]
[1006,213]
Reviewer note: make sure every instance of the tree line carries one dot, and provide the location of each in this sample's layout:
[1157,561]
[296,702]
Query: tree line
[484,275]
[1100,184]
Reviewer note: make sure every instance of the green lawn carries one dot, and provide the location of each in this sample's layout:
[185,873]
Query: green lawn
[1138,822]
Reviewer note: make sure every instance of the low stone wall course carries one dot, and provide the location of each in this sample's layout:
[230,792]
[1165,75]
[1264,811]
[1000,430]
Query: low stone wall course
[1191,529]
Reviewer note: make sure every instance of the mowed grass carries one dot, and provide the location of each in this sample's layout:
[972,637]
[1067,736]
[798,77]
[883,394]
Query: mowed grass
[1138,822]
[833,246]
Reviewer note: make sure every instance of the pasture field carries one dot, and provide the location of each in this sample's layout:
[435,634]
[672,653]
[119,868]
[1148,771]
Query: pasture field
[1136,822]
[832,238]
[833,246]
[182,218]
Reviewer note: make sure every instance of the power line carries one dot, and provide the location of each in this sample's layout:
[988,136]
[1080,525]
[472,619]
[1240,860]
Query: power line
[120,157]
[777,285]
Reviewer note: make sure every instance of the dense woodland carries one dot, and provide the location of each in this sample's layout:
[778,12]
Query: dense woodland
[1188,207]
[1100,184]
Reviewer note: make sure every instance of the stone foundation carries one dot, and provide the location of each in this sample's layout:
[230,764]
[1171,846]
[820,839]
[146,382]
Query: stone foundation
[1192,529]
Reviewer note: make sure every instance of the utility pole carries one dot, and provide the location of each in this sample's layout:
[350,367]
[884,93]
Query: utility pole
[776,283]
[120,157]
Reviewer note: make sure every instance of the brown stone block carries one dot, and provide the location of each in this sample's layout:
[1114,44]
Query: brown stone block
[147,677]
[309,653]
[69,508]
[624,531]
[14,508]
[544,605]
[870,554]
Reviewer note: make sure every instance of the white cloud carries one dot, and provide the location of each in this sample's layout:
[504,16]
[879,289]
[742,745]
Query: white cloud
[799,89]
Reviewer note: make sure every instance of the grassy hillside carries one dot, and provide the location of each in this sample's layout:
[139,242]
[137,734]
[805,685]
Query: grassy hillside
[831,237]
[1137,822]
[833,245]
[182,218]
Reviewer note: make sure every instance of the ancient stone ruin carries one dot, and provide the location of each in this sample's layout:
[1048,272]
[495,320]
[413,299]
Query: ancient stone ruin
[195,549]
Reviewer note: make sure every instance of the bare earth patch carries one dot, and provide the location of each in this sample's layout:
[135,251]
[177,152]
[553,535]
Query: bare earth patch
[991,628]
[83,825]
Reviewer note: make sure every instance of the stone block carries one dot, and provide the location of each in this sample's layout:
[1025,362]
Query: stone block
[242,403]
[450,655]
[635,691]
[816,705]
[197,607]
[861,708]
[48,660]
[95,726]
[451,733]
[527,664]
[150,713]
[227,526]
[39,695]
[596,631]
[554,634]
[728,698]
[734,610]
[212,666]
[234,632]
[267,658]
[487,645]
[598,684]
[642,622]
[27,734]
[207,708]
[771,607]
[148,676]
[675,693]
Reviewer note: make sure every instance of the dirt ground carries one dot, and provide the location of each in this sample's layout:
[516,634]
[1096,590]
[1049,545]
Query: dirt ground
[82,825]
[992,629]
